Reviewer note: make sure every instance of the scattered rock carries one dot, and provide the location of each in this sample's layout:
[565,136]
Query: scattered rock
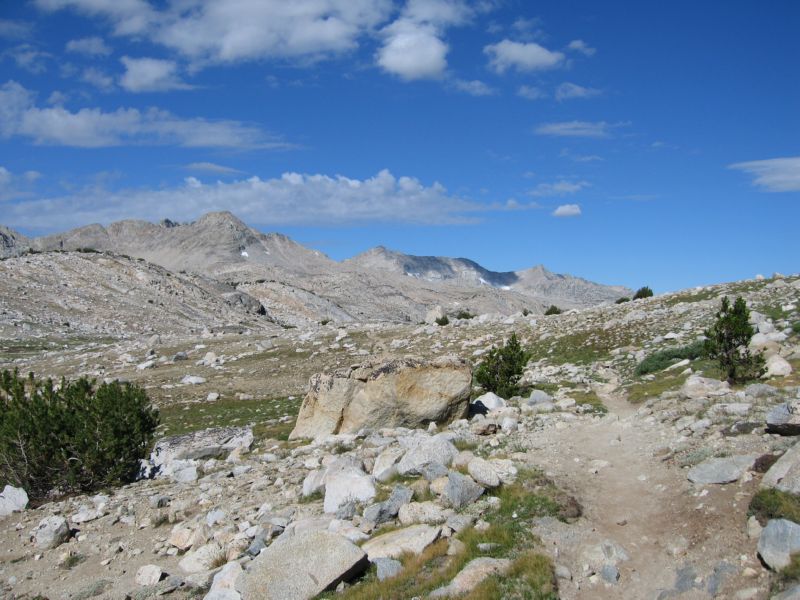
[784,419]
[483,472]
[777,366]
[149,575]
[12,499]
[51,532]
[302,567]
[461,490]
[473,573]
[721,470]
[387,568]
[784,475]
[412,539]
[779,540]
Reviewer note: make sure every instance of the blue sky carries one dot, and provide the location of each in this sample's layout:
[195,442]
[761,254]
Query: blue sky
[625,142]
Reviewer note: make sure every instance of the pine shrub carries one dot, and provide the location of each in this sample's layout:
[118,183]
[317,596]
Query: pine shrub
[74,437]
[502,368]
[442,321]
[553,310]
[622,300]
[643,292]
[727,342]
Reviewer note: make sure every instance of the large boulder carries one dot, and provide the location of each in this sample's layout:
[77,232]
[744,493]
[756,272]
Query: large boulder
[777,366]
[345,483]
[399,393]
[303,566]
[12,499]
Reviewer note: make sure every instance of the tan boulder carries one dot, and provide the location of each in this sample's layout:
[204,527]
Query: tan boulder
[406,392]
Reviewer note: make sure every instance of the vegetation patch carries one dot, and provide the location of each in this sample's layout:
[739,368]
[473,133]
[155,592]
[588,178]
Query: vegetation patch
[271,419]
[508,535]
[642,390]
[727,342]
[774,504]
[658,361]
[74,437]
[591,399]
[502,368]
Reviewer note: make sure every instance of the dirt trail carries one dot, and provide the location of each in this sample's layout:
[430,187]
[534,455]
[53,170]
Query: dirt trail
[682,542]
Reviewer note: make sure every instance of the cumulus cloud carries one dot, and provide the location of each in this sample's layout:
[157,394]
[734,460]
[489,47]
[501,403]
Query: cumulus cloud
[150,75]
[413,47]
[29,58]
[558,188]
[531,92]
[95,128]
[97,78]
[12,30]
[291,199]
[589,129]
[90,46]
[212,168]
[773,174]
[567,210]
[15,186]
[582,47]
[567,91]
[474,87]
[412,51]
[529,56]
[213,32]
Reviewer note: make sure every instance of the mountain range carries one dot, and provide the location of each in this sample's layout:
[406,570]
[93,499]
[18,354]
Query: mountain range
[298,285]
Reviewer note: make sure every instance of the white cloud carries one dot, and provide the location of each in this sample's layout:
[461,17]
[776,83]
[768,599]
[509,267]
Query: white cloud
[529,56]
[209,31]
[531,92]
[413,46]
[97,78]
[291,199]
[566,153]
[95,128]
[774,174]
[474,87]
[558,188]
[412,51]
[567,210]
[29,58]
[129,17]
[567,91]
[582,47]
[212,168]
[13,186]
[596,129]
[12,30]
[150,75]
[91,46]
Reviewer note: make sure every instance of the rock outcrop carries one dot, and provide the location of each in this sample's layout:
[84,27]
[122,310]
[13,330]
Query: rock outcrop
[400,393]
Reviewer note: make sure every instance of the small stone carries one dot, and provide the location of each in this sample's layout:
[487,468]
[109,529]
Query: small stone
[51,532]
[149,575]
[387,568]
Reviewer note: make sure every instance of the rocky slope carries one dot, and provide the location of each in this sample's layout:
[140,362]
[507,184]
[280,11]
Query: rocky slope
[300,285]
[537,282]
[601,483]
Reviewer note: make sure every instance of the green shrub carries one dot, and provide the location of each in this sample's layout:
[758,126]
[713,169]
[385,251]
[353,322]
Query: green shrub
[443,321]
[622,300]
[464,314]
[728,339]
[659,361]
[502,368]
[796,327]
[553,310]
[770,503]
[643,292]
[74,437]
